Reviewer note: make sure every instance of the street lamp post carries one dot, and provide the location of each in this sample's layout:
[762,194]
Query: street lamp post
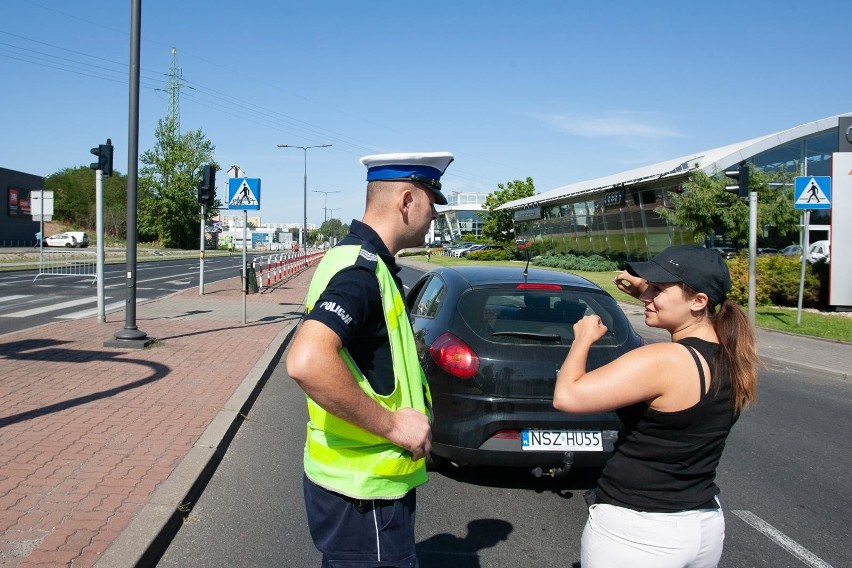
[333,209]
[325,203]
[305,193]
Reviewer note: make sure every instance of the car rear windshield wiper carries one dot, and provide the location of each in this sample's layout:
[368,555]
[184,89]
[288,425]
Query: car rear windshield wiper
[529,335]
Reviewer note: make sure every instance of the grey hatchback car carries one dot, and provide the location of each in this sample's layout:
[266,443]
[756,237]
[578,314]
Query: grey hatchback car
[491,341]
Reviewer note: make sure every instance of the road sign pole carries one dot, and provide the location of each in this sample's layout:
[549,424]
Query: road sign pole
[805,245]
[752,254]
[245,263]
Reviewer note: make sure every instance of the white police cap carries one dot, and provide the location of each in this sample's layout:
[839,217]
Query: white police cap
[424,167]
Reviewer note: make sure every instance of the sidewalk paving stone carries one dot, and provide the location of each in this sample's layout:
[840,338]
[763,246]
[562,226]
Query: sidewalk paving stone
[90,434]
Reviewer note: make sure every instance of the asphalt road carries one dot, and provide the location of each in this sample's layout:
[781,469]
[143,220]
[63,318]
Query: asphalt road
[784,479]
[26,303]
[785,468]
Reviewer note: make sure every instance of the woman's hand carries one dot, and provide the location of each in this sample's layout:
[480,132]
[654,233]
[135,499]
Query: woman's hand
[629,284]
[589,329]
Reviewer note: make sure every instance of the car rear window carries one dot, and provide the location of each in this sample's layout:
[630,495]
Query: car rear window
[513,316]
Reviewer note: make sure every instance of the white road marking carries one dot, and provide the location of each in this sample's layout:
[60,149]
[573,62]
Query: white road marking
[50,308]
[94,311]
[10,298]
[782,540]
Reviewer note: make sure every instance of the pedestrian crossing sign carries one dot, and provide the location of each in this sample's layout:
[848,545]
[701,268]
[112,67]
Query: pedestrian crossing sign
[244,193]
[812,192]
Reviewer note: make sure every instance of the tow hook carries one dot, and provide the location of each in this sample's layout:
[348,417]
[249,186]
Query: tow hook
[567,462]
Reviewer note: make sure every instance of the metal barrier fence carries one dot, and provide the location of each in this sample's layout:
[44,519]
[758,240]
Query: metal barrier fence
[274,268]
[68,264]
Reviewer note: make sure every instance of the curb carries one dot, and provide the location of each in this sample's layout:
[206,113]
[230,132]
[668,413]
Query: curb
[152,528]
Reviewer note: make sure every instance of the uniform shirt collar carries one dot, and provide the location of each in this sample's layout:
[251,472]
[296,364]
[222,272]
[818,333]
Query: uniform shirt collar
[366,233]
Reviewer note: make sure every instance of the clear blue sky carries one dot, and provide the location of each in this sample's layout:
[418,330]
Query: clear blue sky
[559,91]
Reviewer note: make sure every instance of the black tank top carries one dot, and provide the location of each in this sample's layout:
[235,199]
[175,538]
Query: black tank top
[666,461]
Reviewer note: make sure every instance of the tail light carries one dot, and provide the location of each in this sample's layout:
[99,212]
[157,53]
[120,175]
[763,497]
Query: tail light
[454,356]
[507,434]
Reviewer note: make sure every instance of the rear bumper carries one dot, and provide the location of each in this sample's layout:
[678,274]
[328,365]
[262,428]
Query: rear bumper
[508,453]
[464,427]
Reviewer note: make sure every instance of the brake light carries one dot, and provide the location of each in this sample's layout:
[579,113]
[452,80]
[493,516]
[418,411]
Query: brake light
[507,434]
[454,356]
[539,287]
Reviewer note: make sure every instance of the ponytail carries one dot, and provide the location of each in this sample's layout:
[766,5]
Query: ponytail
[738,352]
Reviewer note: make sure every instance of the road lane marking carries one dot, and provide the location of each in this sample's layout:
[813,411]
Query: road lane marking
[94,311]
[782,540]
[10,298]
[50,308]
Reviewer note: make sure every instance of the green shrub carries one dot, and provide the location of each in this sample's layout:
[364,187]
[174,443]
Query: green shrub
[592,263]
[493,254]
[777,281]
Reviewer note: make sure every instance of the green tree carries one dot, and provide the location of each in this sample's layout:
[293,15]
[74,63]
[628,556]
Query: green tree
[74,199]
[706,208]
[498,225]
[333,228]
[168,186]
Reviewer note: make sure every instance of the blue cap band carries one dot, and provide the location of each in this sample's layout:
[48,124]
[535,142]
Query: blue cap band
[403,172]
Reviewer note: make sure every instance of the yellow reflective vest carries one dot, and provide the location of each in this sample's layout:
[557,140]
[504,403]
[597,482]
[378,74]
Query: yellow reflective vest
[339,455]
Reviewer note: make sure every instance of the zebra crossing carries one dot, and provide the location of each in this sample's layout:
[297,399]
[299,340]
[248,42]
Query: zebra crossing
[31,305]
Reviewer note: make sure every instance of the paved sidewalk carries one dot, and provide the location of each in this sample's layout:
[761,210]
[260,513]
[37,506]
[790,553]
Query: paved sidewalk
[100,447]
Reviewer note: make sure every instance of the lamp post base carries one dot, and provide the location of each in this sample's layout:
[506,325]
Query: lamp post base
[129,339]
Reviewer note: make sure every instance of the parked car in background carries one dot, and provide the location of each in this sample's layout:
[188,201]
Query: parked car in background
[81,238]
[448,249]
[791,250]
[726,252]
[491,339]
[478,248]
[767,250]
[459,250]
[819,250]
[61,240]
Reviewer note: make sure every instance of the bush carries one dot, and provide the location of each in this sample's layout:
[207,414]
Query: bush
[777,281]
[493,254]
[593,263]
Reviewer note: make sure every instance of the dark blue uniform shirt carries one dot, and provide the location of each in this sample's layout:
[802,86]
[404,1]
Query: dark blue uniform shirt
[360,321]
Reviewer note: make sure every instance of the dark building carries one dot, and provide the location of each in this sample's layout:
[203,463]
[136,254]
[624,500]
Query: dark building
[17,227]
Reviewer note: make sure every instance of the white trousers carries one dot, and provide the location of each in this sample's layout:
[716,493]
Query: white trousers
[616,537]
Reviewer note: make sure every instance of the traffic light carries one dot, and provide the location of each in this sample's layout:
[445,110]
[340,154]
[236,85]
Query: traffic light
[740,175]
[106,158]
[207,185]
[104,154]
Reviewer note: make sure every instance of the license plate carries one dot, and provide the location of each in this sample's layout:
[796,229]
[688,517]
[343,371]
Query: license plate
[562,440]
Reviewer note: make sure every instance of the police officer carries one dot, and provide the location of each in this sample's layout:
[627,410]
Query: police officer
[355,358]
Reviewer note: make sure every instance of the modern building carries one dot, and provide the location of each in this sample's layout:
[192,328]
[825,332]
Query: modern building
[461,216]
[615,214]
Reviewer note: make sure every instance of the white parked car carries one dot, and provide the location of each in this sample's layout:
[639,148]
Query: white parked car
[61,240]
[819,250]
[459,252]
[81,238]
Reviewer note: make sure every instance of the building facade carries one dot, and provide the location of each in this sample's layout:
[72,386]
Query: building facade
[615,215]
[17,227]
[461,216]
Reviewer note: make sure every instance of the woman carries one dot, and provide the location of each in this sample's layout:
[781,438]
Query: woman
[655,504]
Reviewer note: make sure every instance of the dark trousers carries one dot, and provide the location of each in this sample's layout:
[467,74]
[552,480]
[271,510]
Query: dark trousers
[354,533]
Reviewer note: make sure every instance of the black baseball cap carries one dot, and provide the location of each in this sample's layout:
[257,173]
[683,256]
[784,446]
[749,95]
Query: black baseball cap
[702,269]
